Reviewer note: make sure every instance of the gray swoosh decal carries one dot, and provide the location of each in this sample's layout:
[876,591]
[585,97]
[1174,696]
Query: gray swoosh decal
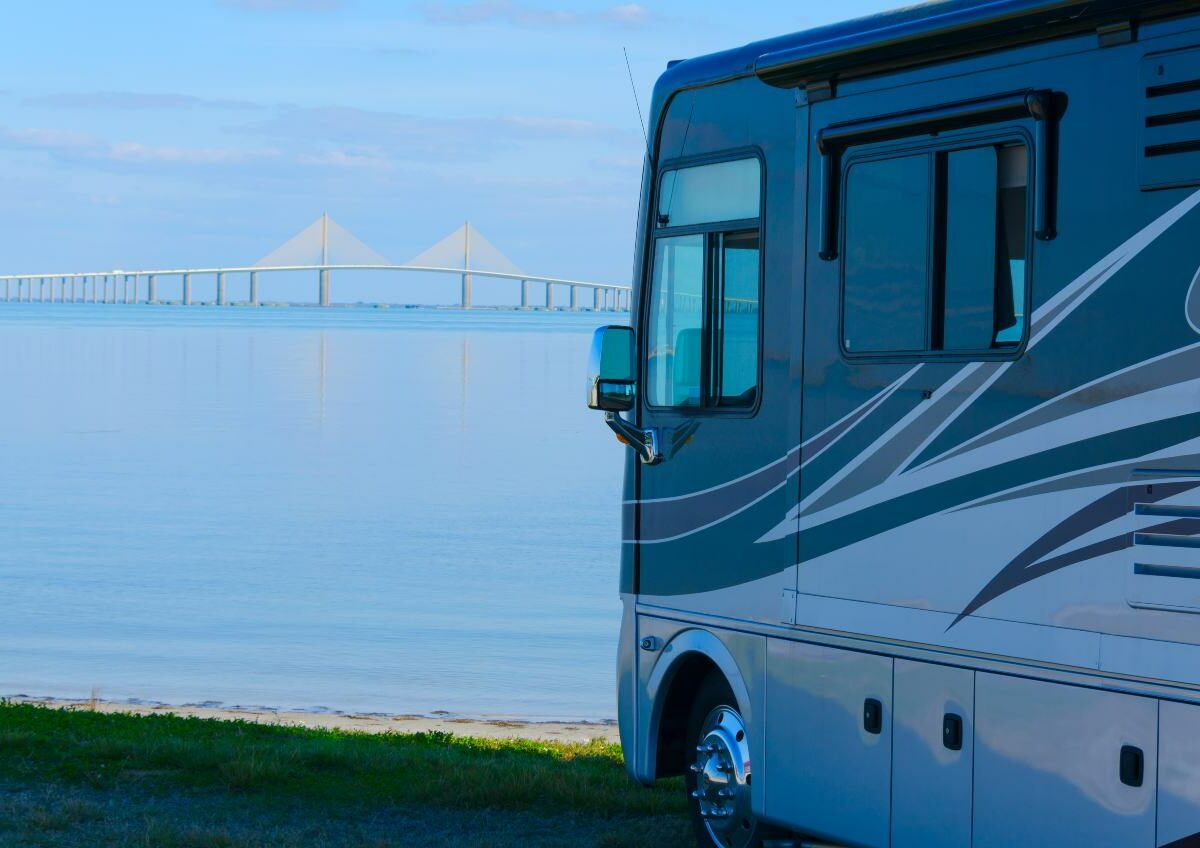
[1192,306]
[1060,306]
[671,518]
[1117,473]
[1029,565]
[888,457]
[1172,368]
[667,520]
[1130,443]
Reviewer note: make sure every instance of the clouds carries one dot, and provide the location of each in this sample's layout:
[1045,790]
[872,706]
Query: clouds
[83,148]
[132,151]
[365,136]
[332,137]
[284,5]
[630,14]
[522,15]
[135,101]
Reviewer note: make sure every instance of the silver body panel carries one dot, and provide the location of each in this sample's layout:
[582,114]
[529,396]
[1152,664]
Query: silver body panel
[1047,766]
[826,772]
[931,784]
[1178,772]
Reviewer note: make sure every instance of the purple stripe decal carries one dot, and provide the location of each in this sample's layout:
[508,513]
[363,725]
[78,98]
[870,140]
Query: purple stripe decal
[665,519]
[1177,367]
[818,443]
[1029,565]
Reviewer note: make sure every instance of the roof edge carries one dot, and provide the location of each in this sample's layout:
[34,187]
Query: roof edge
[953,31]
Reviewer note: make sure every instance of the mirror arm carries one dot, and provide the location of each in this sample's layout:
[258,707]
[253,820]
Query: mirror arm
[645,442]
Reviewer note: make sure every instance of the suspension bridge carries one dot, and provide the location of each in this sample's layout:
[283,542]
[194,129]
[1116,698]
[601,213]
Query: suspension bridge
[322,248]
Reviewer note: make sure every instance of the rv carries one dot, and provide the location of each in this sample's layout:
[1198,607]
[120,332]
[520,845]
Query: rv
[912,393]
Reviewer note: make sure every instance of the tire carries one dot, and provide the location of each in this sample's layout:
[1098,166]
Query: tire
[716,740]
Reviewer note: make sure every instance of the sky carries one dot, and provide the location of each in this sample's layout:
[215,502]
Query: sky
[142,133]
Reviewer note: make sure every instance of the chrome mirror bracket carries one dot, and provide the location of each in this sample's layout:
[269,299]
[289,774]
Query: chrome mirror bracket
[644,442]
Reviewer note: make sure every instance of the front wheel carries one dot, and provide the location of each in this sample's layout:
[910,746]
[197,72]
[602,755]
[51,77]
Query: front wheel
[719,779]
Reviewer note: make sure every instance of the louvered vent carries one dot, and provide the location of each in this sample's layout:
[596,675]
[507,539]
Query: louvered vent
[1170,128]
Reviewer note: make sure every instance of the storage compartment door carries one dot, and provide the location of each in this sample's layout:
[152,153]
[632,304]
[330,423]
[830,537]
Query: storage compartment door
[1179,775]
[829,731]
[933,742]
[1050,767]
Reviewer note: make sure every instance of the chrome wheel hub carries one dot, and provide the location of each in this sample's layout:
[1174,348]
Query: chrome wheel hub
[722,769]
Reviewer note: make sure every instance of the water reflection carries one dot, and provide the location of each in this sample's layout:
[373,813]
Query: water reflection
[279,507]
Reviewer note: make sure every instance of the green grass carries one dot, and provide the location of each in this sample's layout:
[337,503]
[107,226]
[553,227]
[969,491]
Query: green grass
[73,777]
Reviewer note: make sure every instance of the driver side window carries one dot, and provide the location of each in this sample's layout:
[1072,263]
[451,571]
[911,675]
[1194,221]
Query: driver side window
[702,336]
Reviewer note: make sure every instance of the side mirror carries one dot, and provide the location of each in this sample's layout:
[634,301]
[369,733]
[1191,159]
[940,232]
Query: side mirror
[612,388]
[612,370]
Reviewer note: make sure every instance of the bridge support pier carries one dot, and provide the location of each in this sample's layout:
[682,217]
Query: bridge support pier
[524,294]
[574,298]
[187,290]
[151,289]
[220,288]
[323,287]
[549,296]
[254,288]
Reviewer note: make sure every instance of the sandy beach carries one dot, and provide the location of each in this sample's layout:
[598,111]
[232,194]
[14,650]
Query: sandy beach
[498,728]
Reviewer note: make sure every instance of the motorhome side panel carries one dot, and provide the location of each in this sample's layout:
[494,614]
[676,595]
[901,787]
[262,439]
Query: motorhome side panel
[717,335]
[993,478]
[1178,774]
[933,750]
[1063,766]
[829,721]
[992,460]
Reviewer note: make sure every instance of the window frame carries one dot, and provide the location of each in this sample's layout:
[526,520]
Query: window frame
[711,232]
[991,135]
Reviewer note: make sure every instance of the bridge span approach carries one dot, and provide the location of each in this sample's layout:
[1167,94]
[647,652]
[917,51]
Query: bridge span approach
[322,247]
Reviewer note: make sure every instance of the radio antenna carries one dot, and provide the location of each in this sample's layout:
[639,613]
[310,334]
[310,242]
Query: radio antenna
[636,101]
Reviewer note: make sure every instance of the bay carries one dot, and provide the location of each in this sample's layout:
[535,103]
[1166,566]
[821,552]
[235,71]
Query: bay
[365,510]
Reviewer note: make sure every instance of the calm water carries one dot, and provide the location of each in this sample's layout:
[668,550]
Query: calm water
[364,510]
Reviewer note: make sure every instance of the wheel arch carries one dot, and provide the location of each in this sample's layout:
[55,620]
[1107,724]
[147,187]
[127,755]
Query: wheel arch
[682,665]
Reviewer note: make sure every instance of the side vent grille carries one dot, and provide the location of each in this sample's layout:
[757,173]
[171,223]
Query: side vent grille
[1169,152]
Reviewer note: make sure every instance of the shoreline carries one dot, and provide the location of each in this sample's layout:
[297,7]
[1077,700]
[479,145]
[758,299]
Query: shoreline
[484,728]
